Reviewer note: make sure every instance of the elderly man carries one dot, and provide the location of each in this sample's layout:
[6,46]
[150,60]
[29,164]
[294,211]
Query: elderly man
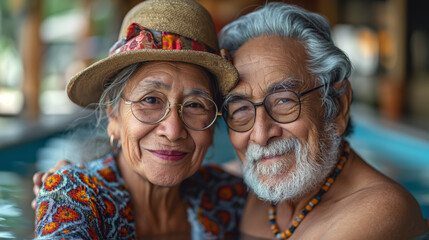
[288,118]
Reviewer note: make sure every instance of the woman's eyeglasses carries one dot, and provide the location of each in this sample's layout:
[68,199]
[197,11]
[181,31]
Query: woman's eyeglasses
[197,112]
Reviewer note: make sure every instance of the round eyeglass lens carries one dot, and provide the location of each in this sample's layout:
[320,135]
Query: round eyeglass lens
[283,106]
[199,112]
[239,115]
[151,108]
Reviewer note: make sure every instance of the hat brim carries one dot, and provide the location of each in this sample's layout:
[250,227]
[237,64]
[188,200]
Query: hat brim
[86,87]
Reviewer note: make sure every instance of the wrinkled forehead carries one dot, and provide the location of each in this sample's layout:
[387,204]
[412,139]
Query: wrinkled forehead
[170,76]
[249,91]
[268,63]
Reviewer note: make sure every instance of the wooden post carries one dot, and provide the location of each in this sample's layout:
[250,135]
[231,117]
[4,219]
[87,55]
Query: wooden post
[31,47]
[392,85]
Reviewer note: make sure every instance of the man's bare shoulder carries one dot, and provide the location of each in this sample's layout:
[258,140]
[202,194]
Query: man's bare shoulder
[378,209]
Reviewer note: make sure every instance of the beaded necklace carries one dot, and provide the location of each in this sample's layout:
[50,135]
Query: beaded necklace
[312,203]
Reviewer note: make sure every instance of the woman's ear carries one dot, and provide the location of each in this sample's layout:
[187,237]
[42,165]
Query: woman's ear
[114,124]
[344,102]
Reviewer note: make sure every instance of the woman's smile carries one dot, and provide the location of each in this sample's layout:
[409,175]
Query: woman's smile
[170,155]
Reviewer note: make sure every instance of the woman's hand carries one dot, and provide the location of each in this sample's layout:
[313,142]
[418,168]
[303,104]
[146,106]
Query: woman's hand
[40,177]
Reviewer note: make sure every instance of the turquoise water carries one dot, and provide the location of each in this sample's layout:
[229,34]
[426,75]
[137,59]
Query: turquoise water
[399,156]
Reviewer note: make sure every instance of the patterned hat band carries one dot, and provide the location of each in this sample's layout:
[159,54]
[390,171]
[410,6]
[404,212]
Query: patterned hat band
[139,37]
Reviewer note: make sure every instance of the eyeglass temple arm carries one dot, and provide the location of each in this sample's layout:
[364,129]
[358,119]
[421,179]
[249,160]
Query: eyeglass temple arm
[313,89]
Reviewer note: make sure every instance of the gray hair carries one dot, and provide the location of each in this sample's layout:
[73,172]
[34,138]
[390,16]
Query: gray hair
[326,61]
[114,89]
[96,144]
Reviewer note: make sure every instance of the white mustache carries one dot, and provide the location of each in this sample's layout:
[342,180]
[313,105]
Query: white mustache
[312,166]
[282,147]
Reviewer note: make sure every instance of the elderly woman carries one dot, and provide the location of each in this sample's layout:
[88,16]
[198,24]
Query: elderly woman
[158,88]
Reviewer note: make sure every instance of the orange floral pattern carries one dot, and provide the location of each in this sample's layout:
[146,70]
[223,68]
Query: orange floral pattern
[224,216]
[225,193]
[107,173]
[79,194]
[220,198]
[88,182]
[50,228]
[240,189]
[66,214]
[109,207]
[93,203]
[52,182]
[206,202]
[41,211]
[209,225]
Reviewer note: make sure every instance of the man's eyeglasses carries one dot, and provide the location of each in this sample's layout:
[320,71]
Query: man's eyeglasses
[197,112]
[282,106]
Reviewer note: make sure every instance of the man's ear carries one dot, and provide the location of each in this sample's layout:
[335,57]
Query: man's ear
[344,102]
[114,124]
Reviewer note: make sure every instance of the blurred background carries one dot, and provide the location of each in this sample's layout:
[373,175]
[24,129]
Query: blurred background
[44,42]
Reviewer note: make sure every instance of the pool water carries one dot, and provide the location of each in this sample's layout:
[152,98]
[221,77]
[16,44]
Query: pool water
[16,214]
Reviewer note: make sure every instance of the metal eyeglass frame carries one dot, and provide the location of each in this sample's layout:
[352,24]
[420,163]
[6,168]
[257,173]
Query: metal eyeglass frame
[167,110]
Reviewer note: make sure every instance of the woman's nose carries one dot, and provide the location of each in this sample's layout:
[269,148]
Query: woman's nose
[172,126]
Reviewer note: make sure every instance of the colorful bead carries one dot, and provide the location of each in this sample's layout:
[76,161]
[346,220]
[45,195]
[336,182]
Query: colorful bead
[311,204]
[305,211]
[314,201]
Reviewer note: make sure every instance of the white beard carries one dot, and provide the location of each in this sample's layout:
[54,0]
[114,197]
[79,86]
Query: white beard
[312,166]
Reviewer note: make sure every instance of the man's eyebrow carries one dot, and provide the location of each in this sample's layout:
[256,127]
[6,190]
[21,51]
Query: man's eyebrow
[288,83]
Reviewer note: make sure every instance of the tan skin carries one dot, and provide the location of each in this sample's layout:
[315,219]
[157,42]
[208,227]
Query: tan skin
[154,182]
[362,203]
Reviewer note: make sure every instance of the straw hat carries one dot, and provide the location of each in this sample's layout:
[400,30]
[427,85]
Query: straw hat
[157,30]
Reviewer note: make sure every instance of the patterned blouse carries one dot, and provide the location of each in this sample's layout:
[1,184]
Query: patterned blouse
[92,202]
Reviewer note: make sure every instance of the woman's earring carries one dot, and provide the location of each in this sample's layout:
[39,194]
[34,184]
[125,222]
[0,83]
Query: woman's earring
[113,142]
